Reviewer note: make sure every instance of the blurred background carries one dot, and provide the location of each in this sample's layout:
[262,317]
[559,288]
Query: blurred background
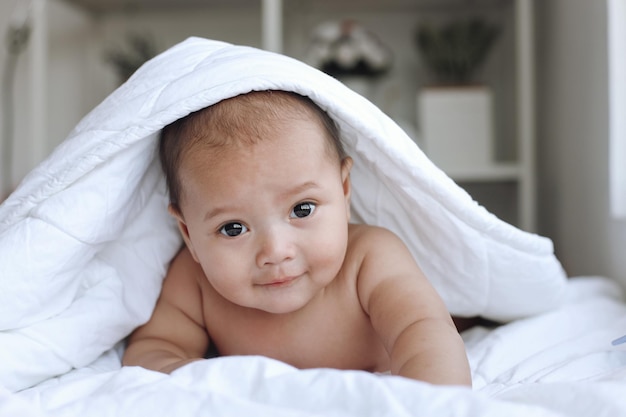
[535,89]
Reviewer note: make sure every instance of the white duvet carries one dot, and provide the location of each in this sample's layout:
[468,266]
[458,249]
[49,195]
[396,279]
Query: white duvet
[560,363]
[85,241]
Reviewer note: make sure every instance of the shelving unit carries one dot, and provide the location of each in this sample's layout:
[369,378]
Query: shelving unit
[520,174]
[517,175]
[284,26]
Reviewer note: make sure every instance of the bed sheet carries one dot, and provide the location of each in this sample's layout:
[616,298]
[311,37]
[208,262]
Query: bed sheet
[560,363]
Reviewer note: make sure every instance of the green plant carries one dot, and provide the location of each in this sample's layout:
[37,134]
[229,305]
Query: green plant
[455,50]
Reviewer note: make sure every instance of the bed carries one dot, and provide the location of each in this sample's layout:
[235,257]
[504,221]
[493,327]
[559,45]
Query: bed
[85,242]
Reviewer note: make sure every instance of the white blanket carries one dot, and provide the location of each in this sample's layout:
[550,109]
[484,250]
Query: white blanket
[556,364]
[86,239]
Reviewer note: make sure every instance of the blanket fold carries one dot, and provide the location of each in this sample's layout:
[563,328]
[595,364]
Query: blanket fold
[85,240]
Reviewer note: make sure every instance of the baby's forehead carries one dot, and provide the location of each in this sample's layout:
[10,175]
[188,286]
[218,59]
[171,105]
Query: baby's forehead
[266,106]
[249,118]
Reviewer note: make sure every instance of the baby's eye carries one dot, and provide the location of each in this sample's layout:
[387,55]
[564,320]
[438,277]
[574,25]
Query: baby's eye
[302,210]
[233,229]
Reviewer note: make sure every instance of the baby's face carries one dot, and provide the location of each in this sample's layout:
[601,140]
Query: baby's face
[268,222]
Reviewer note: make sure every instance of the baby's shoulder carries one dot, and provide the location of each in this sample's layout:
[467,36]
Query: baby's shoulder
[184,270]
[183,261]
[365,232]
[367,239]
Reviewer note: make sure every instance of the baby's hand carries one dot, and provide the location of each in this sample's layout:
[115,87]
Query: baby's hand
[175,334]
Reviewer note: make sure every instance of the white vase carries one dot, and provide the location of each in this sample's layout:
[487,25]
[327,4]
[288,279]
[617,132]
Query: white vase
[456,126]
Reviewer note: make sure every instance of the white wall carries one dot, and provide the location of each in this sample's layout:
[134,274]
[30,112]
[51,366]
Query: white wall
[573,138]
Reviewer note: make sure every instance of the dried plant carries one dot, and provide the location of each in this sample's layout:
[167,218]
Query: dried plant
[139,49]
[454,51]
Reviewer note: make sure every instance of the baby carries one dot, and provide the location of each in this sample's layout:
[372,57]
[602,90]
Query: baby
[259,185]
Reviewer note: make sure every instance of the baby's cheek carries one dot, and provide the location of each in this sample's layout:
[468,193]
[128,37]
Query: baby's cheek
[222,271]
[330,252]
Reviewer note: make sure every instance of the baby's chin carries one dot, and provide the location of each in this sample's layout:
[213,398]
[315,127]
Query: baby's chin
[284,303]
[282,307]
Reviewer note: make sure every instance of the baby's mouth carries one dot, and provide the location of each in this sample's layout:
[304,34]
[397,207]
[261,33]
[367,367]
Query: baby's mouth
[279,282]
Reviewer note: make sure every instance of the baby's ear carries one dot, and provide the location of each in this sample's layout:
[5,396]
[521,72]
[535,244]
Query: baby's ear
[182,226]
[346,166]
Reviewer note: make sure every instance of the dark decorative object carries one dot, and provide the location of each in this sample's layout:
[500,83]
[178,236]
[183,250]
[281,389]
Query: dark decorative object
[346,49]
[126,61]
[454,51]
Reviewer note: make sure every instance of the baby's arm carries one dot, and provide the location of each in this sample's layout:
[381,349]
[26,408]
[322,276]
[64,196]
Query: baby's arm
[409,315]
[175,334]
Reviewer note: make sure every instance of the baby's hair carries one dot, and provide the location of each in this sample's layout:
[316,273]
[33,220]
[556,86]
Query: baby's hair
[241,120]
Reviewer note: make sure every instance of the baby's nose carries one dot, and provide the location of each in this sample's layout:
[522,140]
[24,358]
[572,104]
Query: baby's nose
[276,245]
